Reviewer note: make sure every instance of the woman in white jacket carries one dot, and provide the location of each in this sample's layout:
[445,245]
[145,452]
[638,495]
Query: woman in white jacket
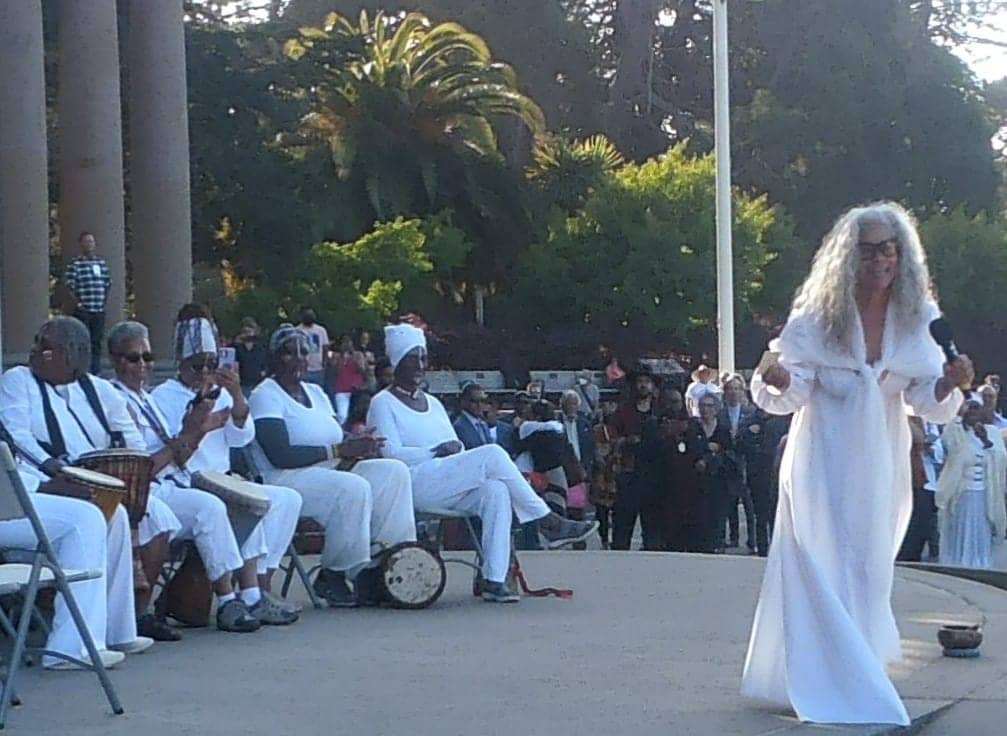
[855,351]
[970,491]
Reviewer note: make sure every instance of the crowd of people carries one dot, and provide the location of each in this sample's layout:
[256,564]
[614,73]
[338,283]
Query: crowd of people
[361,479]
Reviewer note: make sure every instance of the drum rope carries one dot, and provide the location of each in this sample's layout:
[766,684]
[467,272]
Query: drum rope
[518,574]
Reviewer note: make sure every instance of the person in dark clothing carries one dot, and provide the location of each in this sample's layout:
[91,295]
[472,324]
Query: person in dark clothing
[762,441]
[636,491]
[681,467]
[251,354]
[721,467]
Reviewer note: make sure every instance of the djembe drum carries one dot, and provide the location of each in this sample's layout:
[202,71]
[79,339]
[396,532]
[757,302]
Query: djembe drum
[107,492]
[246,504]
[132,467]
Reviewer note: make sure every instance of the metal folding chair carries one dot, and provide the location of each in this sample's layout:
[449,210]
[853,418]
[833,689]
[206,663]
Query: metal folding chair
[27,579]
[243,465]
[438,515]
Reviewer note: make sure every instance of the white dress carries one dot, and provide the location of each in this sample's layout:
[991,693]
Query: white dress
[970,497]
[824,628]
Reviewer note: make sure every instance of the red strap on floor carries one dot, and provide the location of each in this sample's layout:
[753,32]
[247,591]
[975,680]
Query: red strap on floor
[536,592]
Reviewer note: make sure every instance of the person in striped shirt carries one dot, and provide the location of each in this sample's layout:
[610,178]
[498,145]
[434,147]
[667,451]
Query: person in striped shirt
[88,279]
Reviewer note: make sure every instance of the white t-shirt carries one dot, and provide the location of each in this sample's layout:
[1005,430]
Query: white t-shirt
[318,338]
[310,426]
[410,435]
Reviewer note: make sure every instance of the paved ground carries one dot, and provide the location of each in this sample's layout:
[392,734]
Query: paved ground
[650,644]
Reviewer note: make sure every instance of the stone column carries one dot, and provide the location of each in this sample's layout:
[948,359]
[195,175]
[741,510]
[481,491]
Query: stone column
[24,196]
[90,145]
[160,219]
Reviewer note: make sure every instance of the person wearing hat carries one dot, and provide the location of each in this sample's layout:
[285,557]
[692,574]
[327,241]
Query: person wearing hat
[199,380]
[483,481]
[703,382]
[634,426]
[362,500]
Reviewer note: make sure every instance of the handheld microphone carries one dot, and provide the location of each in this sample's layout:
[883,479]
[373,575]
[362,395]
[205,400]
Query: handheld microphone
[943,335]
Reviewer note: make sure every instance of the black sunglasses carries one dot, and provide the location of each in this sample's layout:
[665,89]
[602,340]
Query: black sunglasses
[204,364]
[146,357]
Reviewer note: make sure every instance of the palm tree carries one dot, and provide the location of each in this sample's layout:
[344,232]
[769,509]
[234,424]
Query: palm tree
[568,171]
[403,104]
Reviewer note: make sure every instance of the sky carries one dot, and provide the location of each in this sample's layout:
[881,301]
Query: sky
[989,61]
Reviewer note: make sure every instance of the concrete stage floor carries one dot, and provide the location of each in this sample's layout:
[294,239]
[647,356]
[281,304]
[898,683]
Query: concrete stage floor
[650,644]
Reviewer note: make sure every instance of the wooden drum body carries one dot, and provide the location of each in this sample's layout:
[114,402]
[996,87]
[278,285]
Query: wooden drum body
[107,492]
[246,503]
[132,467]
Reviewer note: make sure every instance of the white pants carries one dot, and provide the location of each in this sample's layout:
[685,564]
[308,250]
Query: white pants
[204,520]
[278,525]
[159,519]
[371,503]
[485,482]
[342,406]
[82,541]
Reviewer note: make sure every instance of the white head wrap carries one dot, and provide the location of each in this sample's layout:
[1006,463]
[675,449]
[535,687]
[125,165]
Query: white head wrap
[194,336]
[400,339]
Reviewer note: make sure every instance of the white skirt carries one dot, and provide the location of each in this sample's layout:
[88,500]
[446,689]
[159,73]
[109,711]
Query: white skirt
[966,533]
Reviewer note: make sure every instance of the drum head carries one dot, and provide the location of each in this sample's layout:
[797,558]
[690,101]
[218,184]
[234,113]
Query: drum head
[412,576]
[118,452]
[92,478]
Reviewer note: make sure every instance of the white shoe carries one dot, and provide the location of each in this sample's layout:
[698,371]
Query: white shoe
[108,658]
[139,644]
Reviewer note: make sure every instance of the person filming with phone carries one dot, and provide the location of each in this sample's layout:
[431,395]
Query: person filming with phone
[203,386]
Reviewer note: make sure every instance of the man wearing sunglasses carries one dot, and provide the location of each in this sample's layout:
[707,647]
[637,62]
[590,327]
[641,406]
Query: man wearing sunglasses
[55,411]
[203,516]
[201,385]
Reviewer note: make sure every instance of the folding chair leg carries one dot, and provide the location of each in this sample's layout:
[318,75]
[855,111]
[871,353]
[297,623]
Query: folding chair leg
[11,633]
[96,664]
[19,642]
[296,564]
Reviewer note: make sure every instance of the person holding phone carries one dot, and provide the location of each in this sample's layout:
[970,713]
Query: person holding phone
[856,351]
[202,383]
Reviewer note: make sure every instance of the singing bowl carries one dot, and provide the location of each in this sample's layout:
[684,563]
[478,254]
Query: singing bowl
[960,636]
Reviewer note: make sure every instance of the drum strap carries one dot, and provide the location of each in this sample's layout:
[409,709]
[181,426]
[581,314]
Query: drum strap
[518,573]
[116,438]
[56,446]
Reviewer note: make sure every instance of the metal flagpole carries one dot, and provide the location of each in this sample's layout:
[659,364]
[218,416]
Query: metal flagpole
[722,134]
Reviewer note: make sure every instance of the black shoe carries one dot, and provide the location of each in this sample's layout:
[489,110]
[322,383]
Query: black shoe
[498,593]
[156,628]
[234,616]
[567,532]
[332,586]
[367,588]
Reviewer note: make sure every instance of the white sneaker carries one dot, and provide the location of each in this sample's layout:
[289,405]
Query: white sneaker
[108,658]
[139,644]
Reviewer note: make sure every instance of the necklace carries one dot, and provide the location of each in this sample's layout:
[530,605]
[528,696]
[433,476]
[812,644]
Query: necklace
[414,395]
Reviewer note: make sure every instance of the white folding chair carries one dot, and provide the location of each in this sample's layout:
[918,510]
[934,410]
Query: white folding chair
[438,515]
[44,571]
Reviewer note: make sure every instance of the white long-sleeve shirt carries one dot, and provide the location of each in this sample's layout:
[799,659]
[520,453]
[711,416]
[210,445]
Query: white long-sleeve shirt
[214,452]
[410,435]
[22,413]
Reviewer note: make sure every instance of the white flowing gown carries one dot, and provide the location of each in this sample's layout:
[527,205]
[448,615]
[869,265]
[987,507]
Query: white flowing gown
[824,628]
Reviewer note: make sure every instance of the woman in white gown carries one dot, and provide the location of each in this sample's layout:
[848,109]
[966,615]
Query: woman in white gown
[855,351]
[970,492]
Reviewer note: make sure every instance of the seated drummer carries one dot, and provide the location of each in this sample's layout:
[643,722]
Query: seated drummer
[82,541]
[300,444]
[483,481]
[56,412]
[200,376]
[203,516]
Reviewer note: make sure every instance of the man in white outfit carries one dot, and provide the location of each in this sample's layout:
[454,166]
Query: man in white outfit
[59,359]
[203,515]
[199,379]
[483,481]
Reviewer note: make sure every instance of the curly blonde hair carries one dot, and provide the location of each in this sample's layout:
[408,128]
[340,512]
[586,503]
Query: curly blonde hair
[829,292]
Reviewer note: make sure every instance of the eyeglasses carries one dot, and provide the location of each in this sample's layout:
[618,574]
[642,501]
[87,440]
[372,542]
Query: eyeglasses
[146,357]
[204,364]
[889,248]
[293,352]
